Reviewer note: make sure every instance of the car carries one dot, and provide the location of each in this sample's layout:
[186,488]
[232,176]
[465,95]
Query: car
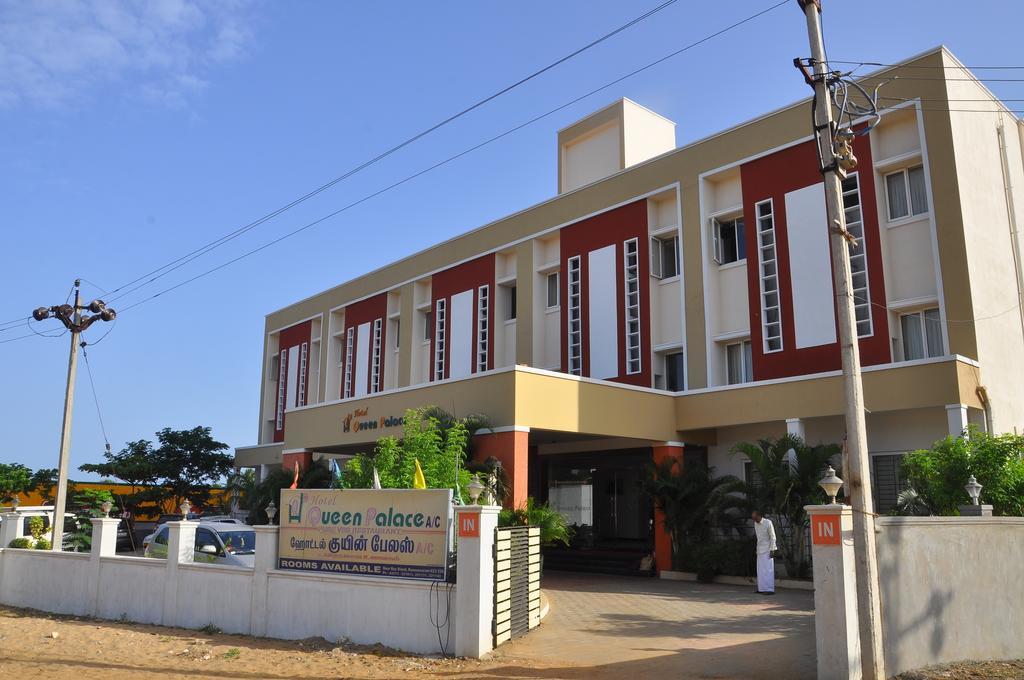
[223,519]
[216,543]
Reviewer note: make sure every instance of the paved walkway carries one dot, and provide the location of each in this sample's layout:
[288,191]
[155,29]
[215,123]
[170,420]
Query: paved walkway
[639,628]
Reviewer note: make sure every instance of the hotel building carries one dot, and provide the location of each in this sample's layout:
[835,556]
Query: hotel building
[673,301]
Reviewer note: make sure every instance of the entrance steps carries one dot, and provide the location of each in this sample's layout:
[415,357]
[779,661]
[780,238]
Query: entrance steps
[596,561]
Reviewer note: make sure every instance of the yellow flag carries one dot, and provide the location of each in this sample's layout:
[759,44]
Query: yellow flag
[418,480]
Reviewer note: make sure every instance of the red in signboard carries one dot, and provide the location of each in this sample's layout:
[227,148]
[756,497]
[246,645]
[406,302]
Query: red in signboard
[825,529]
[469,525]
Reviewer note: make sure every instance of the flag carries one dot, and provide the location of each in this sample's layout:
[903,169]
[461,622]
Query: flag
[295,482]
[376,478]
[418,480]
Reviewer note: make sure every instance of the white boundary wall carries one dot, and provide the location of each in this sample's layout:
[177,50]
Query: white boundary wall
[263,601]
[951,589]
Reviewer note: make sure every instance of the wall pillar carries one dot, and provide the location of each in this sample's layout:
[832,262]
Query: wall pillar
[104,544]
[11,527]
[181,545]
[956,416]
[836,626]
[662,539]
[474,592]
[265,562]
[511,447]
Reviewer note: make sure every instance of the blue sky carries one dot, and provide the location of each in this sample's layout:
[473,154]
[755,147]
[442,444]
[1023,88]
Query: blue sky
[135,132]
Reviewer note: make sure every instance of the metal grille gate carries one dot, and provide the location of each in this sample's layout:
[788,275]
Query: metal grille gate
[516,582]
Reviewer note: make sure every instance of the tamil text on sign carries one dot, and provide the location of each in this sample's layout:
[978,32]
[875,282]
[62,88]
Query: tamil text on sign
[397,533]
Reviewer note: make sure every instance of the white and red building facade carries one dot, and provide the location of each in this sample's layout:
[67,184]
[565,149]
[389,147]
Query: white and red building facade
[675,301]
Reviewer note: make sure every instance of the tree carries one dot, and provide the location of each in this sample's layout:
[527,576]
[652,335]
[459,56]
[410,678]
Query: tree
[44,480]
[690,499]
[782,485]
[938,475]
[254,496]
[15,479]
[440,452]
[185,465]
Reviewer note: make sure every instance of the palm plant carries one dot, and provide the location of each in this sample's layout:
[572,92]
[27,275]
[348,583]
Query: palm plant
[690,499]
[786,477]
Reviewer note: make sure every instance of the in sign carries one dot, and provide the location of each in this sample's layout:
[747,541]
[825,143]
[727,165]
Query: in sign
[469,525]
[825,529]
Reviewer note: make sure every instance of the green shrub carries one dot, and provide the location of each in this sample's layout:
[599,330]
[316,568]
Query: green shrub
[23,542]
[734,557]
[553,528]
[36,527]
[43,544]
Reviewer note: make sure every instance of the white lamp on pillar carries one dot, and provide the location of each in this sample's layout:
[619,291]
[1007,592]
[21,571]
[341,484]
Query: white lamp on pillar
[105,506]
[831,484]
[15,502]
[475,488]
[185,507]
[271,512]
[973,490]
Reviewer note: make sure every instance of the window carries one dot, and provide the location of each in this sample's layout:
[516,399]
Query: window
[282,363]
[396,333]
[428,325]
[552,282]
[275,366]
[728,239]
[375,357]
[510,303]
[771,314]
[664,257]
[439,337]
[575,320]
[350,341]
[161,536]
[752,476]
[674,367]
[887,480]
[483,320]
[738,364]
[922,334]
[303,358]
[858,255]
[906,193]
[205,537]
[631,264]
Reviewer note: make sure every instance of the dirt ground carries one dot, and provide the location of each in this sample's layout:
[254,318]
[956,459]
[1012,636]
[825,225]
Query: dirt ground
[38,645]
[969,670]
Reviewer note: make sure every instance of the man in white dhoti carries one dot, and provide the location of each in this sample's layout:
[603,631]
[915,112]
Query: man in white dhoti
[765,532]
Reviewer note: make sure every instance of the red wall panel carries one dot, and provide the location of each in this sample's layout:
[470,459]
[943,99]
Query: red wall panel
[367,311]
[774,176]
[613,227]
[290,337]
[457,279]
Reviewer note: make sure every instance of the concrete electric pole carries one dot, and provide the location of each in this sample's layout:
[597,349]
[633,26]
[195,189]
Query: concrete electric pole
[76,322]
[837,158]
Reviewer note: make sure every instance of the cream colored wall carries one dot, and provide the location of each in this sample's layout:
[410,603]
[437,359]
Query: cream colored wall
[990,262]
[592,157]
[733,300]
[645,133]
[545,348]
[666,311]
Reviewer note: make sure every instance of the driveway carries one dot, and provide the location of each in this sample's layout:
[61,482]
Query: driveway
[637,628]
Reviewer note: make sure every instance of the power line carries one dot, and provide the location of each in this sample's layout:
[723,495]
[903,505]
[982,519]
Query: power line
[967,68]
[460,154]
[95,399]
[162,271]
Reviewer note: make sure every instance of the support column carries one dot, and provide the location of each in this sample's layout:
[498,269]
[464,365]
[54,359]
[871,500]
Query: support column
[662,538]
[511,447]
[836,626]
[104,544]
[181,546]
[956,417]
[11,527]
[265,562]
[474,592]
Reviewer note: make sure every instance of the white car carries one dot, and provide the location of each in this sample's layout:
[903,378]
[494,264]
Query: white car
[216,543]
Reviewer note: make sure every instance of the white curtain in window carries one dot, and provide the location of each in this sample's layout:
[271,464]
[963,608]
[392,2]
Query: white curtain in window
[734,364]
[748,364]
[896,190]
[933,332]
[918,196]
[913,342]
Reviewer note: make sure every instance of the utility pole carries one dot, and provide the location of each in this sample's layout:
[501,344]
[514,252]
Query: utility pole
[76,322]
[837,158]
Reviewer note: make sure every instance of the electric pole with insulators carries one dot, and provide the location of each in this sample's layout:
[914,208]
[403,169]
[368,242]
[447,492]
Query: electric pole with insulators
[836,155]
[75,321]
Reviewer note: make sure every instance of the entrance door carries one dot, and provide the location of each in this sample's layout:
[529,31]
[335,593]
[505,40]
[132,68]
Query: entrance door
[619,504]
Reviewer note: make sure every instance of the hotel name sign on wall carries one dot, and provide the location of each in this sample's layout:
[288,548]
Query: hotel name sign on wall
[396,533]
[359,420]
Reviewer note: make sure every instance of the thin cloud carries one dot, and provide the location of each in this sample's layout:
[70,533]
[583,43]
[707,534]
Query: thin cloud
[55,54]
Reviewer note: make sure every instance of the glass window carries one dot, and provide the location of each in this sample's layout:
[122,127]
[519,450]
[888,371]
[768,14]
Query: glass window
[206,537]
[922,334]
[510,308]
[674,367]
[238,542]
[665,257]
[906,193]
[730,243]
[738,363]
[887,480]
[161,536]
[552,282]
[428,325]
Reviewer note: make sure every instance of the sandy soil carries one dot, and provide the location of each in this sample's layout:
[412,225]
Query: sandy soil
[38,645]
[969,670]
